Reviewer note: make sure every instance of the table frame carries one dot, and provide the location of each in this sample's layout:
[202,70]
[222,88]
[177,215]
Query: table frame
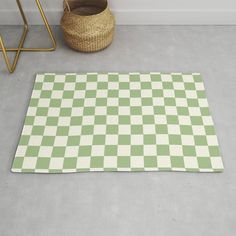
[11,67]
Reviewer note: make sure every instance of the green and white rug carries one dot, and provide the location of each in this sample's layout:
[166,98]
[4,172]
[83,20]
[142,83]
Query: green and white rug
[118,122]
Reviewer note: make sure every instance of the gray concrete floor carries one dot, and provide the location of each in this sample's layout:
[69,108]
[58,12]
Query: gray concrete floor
[118,204]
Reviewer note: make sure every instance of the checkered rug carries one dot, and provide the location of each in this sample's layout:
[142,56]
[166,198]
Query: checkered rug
[118,122]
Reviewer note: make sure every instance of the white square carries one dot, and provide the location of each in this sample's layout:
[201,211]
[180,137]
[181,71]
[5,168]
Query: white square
[163,162]
[137,162]
[113,85]
[77,111]
[136,120]
[136,102]
[137,140]
[168,93]
[59,78]
[83,163]
[98,150]
[202,151]
[207,120]
[173,129]
[27,130]
[111,139]
[158,101]
[198,130]
[64,121]
[54,111]
[67,103]
[86,140]
[88,120]
[50,131]
[191,94]
[47,86]
[150,150]
[40,77]
[124,129]
[57,94]
[36,94]
[124,110]
[194,111]
[35,140]
[69,86]
[45,151]
[216,163]
[102,77]
[166,77]
[188,78]
[102,93]
[43,102]
[162,139]
[149,129]
[124,150]
[191,163]
[110,162]
[145,77]
[91,86]
[178,85]
[56,163]
[171,110]
[100,110]
[146,93]
[74,130]
[71,151]
[135,85]
[31,111]
[147,110]
[176,150]
[212,140]
[79,94]
[181,102]
[21,151]
[114,102]
[157,85]
[199,86]
[184,120]
[112,120]
[203,102]
[99,129]
[29,163]
[60,141]
[90,102]
[124,77]
[160,119]
[124,93]
[187,140]
[81,78]
[40,120]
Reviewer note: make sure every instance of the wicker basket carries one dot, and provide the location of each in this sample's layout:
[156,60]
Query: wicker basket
[88,25]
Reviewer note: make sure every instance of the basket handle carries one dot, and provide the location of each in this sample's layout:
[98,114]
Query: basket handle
[66,6]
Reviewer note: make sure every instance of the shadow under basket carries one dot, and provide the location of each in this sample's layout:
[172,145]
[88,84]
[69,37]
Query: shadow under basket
[88,25]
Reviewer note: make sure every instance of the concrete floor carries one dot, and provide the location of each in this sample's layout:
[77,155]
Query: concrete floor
[118,204]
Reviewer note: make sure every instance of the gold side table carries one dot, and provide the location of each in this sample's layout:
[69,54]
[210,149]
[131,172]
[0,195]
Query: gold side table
[11,67]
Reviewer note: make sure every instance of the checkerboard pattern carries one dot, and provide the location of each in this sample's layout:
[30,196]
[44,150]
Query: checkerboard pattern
[118,122]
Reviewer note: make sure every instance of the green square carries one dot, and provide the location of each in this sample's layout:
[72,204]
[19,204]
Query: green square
[92,77]
[68,94]
[65,111]
[210,130]
[146,85]
[197,78]
[214,151]
[58,86]
[58,151]
[99,139]
[136,150]
[204,162]
[49,78]
[189,150]
[189,86]
[97,162]
[124,140]
[180,94]
[177,162]
[34,102]
[70,78]
[43,163]
[102,85]
[175,139]
[62,130]
[90,93]
[124,120]
[182,111]
[155,77]
[149,139]
[24,140]
[29,120]
[124,102]
[134,77]
[55,102]
[169,102]
[150,162]
[76,120]
[46,94]
[112,129]
[205,111]
[101,102]
[87,129]
[147,102]
[52,121]
[18,162]
[136,110]
[200,140]
[48,141]
[177,78]
[85,151]
[172,120]
[70,163]
[159,110]
[38,86]
[113,77]
[163,150]
[201,94]
[100,120]
[136,129]
[157,93]
[186,129]
[73,141]
[78,102]
[196,120]
[38,130]
[161,129]
[32,151]
[89,111]
[113,93]
[192,102]
[148,119]
[123,162]
[80,86]
[112,110]
[123,85]
[42,111]
[111,150]
[167,85]
[135,93]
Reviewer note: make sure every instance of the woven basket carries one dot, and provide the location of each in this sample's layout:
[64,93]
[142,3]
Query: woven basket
[88,25]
